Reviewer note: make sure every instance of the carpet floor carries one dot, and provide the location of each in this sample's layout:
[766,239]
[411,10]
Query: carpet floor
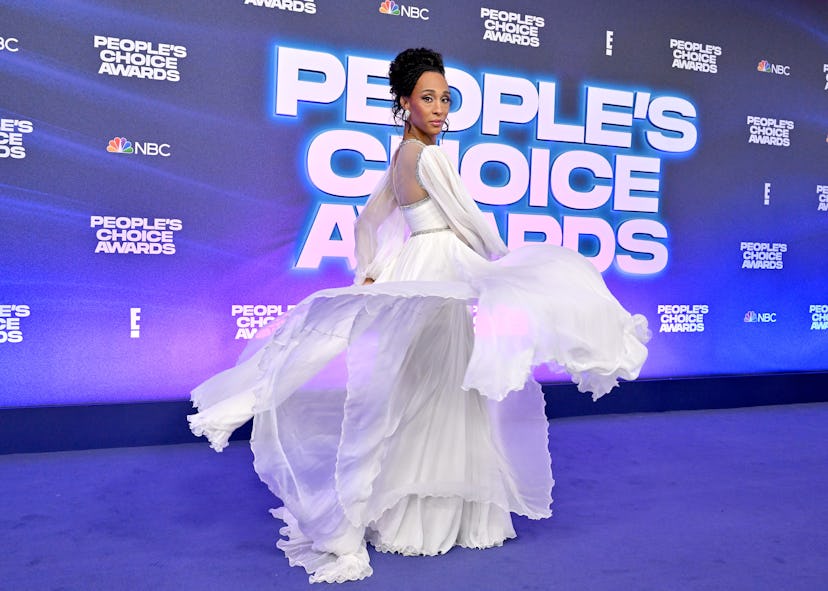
[719,499]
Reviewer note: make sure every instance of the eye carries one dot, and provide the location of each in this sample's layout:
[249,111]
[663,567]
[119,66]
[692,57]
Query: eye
[427,99]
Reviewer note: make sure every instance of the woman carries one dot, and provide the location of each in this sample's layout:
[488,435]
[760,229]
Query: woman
[435,432]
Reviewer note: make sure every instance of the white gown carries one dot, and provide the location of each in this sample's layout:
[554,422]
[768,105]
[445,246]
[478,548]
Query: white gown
[385,413]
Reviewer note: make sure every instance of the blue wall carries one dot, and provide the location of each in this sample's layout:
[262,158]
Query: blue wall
[175,173]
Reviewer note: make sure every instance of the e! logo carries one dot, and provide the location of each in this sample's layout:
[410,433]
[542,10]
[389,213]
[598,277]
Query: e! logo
[134,327]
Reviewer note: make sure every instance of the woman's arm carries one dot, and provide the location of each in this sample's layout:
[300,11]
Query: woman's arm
[378,233]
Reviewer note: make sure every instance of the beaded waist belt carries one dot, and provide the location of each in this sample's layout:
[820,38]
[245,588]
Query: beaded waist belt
[419,232]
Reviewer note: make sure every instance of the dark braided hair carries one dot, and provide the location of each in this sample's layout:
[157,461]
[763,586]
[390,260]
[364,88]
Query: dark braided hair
[406,69]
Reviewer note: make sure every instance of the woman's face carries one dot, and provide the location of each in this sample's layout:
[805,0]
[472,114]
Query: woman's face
[428,106]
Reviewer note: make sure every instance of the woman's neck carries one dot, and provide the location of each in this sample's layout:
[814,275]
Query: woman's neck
[425,139]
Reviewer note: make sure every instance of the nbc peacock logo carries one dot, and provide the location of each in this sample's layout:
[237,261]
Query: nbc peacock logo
[767,67]
[389,7]
[760,317]
[120,145]
[406,10]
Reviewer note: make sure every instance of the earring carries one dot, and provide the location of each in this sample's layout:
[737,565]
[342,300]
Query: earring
[406,114]
[445,125]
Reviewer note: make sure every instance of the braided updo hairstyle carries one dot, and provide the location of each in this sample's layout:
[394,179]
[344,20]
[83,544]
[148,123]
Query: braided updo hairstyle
[406,69]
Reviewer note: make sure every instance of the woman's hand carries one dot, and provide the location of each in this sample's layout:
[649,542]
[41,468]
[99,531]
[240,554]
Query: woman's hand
[368,281]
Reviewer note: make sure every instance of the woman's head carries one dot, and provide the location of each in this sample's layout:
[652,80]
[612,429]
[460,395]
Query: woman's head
[424,67]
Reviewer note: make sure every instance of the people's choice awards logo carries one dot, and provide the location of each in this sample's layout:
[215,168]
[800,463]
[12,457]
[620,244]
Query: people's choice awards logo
[131,58]
[10,329]
[691,55]
[763,255]
[822,197]
[11,138]
[513,28]
[682,317]
[249,318]
[819,316]
[621,139]
[134,235]
[306,6]
[769,131]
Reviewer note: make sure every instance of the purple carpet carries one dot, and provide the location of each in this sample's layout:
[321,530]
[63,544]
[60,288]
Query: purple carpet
[724,499]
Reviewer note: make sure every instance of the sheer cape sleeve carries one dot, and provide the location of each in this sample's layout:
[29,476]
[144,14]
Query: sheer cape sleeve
[379,232]
[443,184]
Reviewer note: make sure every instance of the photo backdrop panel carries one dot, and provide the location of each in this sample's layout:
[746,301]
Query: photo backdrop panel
[175,175]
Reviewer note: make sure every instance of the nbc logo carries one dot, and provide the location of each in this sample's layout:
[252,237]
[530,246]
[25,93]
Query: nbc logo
[752,316]
[392,8]
[9,44]
[768,68]
[121,145]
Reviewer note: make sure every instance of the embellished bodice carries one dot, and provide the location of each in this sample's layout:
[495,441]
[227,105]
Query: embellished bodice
[423,217]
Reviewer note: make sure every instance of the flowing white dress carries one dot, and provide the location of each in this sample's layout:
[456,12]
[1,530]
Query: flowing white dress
[388,413]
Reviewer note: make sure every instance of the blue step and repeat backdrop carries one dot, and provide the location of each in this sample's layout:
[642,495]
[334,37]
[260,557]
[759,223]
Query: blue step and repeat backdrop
[174,174]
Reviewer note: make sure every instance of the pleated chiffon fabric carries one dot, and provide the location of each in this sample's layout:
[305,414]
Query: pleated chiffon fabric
[404,413]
